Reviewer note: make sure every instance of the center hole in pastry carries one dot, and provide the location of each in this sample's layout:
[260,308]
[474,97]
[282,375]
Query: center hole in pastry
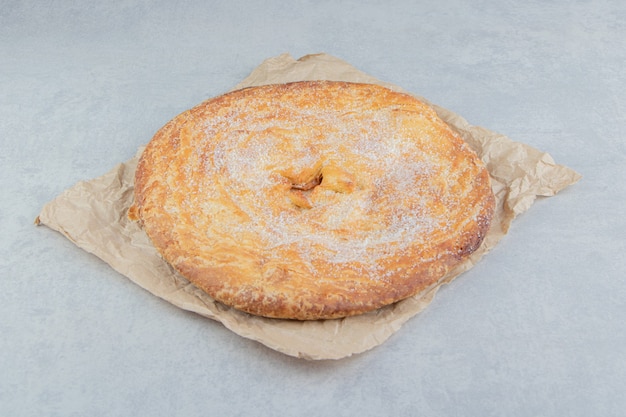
[308,185]
[301,187]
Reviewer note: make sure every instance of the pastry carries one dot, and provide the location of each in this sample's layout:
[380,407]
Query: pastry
[312,200]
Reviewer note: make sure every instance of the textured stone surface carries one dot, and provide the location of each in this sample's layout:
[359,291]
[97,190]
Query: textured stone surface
[534,329]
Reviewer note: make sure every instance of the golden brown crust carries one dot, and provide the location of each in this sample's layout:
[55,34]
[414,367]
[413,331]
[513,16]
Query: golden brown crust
[312,200]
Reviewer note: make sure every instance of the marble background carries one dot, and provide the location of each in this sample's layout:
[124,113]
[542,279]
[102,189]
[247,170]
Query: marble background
[536,328]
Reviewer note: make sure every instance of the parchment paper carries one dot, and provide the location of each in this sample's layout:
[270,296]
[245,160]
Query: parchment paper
[92,214]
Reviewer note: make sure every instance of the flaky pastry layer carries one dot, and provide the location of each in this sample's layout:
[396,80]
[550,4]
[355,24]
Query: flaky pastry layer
[312,200]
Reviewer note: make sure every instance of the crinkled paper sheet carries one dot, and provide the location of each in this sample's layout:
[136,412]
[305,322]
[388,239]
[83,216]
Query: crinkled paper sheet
[92,214]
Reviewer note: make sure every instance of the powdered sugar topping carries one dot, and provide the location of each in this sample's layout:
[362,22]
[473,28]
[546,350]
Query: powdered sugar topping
[349,185]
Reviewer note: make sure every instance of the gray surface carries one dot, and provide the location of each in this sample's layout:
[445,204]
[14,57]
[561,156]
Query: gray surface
[537,328]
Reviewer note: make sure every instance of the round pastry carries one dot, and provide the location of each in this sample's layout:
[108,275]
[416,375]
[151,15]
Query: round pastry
[312,200]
